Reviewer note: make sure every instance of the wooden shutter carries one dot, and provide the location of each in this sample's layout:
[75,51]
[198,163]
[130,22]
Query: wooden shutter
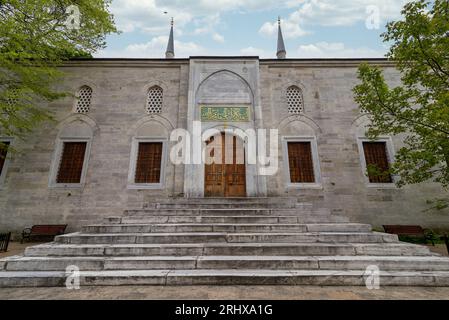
[72,161]
[149,158]
[376,156]
[3,153]
[300,162]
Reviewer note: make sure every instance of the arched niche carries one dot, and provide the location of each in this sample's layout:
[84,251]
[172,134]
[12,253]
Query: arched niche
[301,126]
[76,129]
[152,129]
[360,125]
[224,87]
[77,126]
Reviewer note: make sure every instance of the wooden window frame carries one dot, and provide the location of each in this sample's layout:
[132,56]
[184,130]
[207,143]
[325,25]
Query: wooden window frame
[7,161]
[57,161]
[390,156]
[316,163]
[133,164]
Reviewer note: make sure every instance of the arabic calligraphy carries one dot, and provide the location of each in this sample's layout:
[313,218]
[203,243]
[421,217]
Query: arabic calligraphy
[224,113]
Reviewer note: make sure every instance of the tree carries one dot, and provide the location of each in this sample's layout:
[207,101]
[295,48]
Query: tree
[36,36]
[418,109]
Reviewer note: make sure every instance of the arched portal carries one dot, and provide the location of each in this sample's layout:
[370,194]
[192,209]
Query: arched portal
[225,167]
[224,100]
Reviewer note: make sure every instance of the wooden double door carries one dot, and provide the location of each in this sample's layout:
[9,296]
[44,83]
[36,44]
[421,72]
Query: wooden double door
[225,178]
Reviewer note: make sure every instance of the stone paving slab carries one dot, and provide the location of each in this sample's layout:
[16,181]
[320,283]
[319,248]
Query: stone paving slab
[398,249]
[223,277]
[227,292]
[20,263]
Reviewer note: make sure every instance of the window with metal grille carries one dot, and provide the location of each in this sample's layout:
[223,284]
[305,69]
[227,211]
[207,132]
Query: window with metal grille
[294,100]
[84,100]
[300,162]
[154,100]
[377,159]
[72,161]
[149,158]
[3,154]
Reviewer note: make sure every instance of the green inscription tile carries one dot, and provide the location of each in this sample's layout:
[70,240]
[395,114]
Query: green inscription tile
[224,113]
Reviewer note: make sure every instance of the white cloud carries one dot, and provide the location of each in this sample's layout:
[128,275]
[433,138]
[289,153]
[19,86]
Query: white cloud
[208,25]
[138,15]
[290,29]
[218,38]
[204,17]
[154,49]
[205,7]
[336,50]
[251,51]
[344,12]
[157,46]
[331,13]
[148,15]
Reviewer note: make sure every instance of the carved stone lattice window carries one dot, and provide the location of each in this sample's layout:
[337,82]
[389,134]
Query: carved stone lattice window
[13,98]
[154,100]
[84,100]
[295,102]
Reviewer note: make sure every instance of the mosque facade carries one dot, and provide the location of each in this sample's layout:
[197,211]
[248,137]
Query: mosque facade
[138,131]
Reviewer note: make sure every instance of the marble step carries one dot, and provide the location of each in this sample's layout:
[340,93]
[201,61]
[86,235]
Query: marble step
[226,219]
[223,277]
[229,249]
[223,227]
[225,212]
[395,263]
[205,237]
[279,202]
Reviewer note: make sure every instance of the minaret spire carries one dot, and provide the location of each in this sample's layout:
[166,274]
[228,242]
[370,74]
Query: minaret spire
[170,53]
[281,53]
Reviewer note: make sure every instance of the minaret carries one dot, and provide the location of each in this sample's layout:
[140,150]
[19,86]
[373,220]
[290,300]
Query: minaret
[281,53]
[170,53]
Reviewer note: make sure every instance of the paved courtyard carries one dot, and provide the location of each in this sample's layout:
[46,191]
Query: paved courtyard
[226,292]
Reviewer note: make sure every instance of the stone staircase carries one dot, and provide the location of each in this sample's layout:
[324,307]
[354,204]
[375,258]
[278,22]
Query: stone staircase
[241,241]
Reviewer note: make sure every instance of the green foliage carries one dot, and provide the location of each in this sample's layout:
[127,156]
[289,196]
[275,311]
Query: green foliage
[418,109]
[375,171]
[34,40]
[438,204]
[430,236]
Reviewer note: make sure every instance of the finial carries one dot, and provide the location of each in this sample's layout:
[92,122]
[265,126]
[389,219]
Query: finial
[170,53]
[281,53]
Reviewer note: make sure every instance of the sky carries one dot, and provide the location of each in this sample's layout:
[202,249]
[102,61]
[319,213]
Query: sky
[311,28]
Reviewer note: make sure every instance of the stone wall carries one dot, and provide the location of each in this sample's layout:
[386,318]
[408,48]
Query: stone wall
[118,113]
[333,117]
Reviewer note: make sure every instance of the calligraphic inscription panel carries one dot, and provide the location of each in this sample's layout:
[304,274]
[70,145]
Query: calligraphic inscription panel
[224,113]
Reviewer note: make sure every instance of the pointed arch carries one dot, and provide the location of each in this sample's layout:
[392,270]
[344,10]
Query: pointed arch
[234,75]
[72,152]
